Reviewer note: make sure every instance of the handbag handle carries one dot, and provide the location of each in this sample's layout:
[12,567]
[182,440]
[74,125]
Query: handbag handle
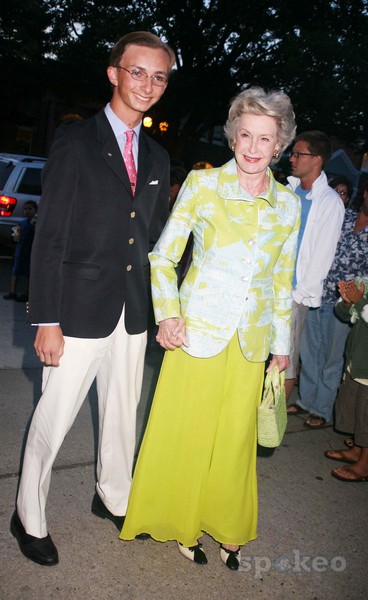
[274,381]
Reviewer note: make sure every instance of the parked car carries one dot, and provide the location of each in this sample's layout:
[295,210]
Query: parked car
[20,180]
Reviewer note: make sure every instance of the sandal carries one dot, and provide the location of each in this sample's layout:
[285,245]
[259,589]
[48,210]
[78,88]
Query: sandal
[320,422]
[295,409]
[357,478]
[339,455]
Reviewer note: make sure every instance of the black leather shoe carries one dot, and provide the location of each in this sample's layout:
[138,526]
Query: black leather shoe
[231,558]
[99,509]
[41,550]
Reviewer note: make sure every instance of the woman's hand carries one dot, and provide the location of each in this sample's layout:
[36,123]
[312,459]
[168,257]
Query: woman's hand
[280,360]
[171,333]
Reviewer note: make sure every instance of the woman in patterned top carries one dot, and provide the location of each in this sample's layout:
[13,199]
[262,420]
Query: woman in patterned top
[324,335]
[352,400]
[197,467]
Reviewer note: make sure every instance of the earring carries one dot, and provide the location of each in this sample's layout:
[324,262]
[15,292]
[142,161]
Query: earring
[276,154]
[233,146]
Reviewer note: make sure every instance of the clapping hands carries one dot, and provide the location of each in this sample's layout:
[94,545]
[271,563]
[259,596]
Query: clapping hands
[351,291]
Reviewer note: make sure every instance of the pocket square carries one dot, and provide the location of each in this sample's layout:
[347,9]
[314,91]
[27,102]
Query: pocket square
[153,182]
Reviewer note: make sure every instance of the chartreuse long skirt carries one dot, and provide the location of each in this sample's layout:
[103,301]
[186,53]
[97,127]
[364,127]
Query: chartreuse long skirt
[196,470]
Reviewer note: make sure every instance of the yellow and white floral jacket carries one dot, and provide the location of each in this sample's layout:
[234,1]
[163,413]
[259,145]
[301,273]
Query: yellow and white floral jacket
[241,274]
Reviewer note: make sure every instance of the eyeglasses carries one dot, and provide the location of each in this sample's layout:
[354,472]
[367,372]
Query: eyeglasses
[140,75]
[341,192]
[298,154]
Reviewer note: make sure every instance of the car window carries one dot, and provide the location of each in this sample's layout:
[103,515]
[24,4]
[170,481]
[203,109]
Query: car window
[30,182]
[5,170]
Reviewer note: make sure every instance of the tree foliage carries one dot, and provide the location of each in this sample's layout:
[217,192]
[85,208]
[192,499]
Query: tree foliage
[316,53]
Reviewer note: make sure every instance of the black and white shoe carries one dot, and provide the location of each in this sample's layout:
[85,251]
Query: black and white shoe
[231,558]
[193,553]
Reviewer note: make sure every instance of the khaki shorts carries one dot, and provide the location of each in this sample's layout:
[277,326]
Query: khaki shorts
[299,314]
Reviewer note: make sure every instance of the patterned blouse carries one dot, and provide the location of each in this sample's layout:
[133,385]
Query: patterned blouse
[243,262]
[351,258]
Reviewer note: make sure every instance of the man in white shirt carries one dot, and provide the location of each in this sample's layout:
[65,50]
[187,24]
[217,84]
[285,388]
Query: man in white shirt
[321,220]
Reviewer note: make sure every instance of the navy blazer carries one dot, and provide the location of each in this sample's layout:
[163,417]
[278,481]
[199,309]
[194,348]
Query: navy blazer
[90,252]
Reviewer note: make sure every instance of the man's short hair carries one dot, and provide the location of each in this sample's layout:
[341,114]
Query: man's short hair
[139,38]
[318,144]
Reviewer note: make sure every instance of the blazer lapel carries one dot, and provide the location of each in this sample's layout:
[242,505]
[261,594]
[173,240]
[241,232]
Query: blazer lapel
[110,149]
[112,155]
[144,162]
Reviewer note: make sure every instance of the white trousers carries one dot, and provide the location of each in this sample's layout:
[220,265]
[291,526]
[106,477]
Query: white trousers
[117,363]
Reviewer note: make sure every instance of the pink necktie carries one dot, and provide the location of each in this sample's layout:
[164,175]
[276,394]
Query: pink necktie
[129,159]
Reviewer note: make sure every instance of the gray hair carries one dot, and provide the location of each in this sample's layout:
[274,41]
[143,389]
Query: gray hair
[255,100]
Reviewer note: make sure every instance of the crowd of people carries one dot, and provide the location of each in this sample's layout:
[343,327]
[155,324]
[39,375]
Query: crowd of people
[328,393]
[324,333]
[257,290]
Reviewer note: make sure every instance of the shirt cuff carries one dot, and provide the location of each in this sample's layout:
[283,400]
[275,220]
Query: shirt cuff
[44,324]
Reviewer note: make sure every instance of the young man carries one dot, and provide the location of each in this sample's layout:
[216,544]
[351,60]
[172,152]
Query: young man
[321,220]
[104,204]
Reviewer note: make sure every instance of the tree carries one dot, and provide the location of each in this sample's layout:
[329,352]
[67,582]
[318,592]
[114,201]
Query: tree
[23,44]
[320,61]
[317,54]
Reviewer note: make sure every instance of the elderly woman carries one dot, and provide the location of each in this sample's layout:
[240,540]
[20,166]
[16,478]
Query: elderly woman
[196,471]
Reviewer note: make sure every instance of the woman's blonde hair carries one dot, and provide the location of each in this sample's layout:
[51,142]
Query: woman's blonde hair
[255,100]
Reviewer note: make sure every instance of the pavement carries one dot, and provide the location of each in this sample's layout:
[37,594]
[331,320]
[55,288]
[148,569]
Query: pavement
[312,532]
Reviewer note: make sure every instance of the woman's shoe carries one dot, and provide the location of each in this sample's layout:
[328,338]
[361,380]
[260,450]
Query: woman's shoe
[231,558]
[193,553]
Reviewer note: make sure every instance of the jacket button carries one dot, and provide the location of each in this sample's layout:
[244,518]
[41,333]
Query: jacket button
[131,241]
[129,268]
[132,214]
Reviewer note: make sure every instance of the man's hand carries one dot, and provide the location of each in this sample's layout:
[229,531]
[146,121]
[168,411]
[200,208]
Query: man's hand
[280,360]
[171,333]
[49,344]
